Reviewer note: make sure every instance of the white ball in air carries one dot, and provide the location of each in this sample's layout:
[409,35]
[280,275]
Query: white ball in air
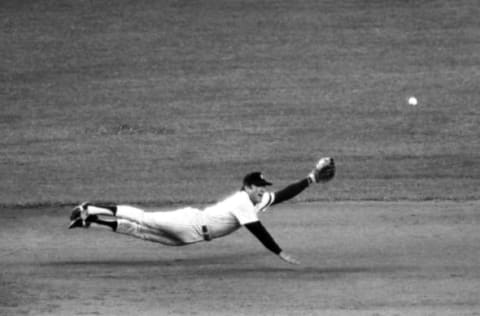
[412,101]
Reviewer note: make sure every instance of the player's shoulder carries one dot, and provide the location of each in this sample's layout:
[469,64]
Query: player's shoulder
[239,197]
[267,199]
[267,196]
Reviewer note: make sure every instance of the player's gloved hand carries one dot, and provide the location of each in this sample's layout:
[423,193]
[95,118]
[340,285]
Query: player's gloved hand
[324,170]
[288,258]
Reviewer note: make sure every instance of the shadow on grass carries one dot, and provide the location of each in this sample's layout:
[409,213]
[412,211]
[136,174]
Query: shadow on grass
[220,266]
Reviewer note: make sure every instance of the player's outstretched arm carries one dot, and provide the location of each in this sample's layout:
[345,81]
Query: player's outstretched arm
[291,191]
[259,231]
[324,171]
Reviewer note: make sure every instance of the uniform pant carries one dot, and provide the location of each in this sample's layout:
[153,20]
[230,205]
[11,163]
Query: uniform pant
[173,228]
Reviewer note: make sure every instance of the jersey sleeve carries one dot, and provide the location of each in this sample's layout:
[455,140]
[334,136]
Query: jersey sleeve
[267,199]
[244,211]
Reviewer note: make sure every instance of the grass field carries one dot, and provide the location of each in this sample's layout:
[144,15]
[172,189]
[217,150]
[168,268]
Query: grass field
[358,258]
[165,103]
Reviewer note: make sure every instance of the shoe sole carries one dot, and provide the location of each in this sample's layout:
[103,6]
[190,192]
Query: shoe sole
[74,224]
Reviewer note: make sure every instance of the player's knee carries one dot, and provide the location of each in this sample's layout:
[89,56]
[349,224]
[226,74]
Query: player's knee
[127,227]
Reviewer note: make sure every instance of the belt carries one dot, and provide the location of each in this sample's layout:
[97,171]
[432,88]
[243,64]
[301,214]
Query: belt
[206,233]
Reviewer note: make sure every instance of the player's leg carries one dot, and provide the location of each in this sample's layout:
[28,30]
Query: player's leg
[81,212]
[174,227]
[121,211]
[172,222]
[127,227]
[85,220]
[163,227]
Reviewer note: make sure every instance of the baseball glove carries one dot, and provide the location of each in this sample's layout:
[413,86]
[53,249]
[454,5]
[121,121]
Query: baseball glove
[324,170]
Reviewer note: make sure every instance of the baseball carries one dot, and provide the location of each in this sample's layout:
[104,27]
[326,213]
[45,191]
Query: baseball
[412,101]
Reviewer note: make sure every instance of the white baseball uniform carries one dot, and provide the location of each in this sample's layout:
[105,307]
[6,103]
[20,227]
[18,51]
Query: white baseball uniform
[190,225]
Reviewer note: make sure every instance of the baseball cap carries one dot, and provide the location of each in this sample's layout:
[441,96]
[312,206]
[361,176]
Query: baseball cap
[255,178]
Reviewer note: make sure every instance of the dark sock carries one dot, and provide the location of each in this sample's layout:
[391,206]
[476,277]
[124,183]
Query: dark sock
[110,207]
[97,220]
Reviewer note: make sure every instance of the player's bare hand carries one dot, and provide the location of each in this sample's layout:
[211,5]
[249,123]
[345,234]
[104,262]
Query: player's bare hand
[288,258]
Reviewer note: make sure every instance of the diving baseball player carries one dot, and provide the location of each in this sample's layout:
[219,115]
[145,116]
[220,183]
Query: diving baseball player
[190,225]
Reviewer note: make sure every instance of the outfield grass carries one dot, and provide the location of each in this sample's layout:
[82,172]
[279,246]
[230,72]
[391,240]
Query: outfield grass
[161,102]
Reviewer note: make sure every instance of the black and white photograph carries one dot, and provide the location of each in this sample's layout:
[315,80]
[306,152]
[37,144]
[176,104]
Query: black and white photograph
[240,157]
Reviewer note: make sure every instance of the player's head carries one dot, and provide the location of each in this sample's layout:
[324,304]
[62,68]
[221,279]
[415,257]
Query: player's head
[254,184]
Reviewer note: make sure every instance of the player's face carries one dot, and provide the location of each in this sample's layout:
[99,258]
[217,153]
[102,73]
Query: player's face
[255,193]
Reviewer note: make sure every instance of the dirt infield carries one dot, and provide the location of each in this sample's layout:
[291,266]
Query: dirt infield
[358,258]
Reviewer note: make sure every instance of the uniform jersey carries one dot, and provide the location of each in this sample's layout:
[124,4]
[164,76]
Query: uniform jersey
[233,212]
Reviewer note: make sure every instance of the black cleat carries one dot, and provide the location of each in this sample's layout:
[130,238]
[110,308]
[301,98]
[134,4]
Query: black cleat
[77,223]
[79,216]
